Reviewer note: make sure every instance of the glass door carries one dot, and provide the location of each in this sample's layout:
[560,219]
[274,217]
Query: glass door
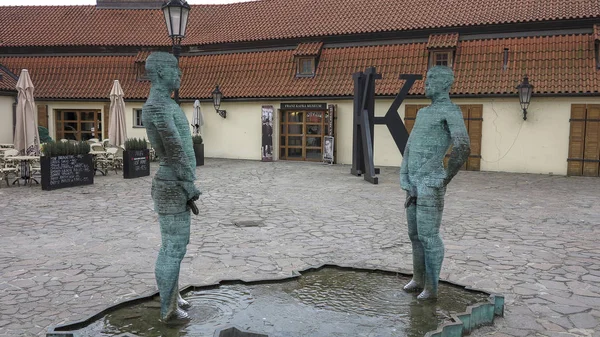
[301,135]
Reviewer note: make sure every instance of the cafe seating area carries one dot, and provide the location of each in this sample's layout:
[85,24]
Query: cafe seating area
[15,168]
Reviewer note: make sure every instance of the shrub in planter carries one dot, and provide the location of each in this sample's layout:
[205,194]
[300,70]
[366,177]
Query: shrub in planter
[198,149]
[66,165]
[136,158]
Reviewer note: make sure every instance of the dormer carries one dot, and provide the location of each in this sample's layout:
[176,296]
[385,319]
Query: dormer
[597,44]
[140,65]
[442,49]
[306,57]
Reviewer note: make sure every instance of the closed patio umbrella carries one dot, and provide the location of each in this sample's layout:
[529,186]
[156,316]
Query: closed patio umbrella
[117,132]
[27,139]
[198,120]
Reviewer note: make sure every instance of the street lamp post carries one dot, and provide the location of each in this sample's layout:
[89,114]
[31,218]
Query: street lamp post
[176,14]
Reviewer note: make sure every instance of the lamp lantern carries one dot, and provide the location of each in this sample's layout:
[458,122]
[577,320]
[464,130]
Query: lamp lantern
[525,89]
[217,95]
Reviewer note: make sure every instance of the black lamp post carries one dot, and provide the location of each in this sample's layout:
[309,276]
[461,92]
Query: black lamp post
[176,17]
[216,96]
[525,90]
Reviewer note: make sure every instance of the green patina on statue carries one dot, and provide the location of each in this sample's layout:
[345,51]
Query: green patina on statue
[173,188]
[423,177]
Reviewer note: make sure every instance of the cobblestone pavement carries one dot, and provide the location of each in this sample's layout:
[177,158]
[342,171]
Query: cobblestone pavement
[69,253]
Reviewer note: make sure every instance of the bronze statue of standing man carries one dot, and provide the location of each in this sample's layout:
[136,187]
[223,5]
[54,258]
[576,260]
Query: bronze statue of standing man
[173,188]
[423,177]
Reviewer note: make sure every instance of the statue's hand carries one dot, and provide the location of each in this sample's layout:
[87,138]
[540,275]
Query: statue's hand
[193,193]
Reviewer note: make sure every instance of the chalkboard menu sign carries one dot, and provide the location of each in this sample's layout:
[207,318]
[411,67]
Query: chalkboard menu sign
[136,163]
[66,171]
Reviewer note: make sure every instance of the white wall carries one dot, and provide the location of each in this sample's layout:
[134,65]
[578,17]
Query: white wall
[239,136]
[509,144]
[6,119]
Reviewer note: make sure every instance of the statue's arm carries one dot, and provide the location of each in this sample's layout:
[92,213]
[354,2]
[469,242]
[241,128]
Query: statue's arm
[175,155]
[404,182]
[461,147]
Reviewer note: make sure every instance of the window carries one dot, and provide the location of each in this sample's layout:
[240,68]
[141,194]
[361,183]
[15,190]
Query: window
[306,66]
[137,118]
[440,58]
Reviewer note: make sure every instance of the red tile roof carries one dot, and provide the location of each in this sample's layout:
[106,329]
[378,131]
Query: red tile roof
[439,41]
[142,55]
[80,77]
[270,19]
[308,49]
[7,83]
[555,65]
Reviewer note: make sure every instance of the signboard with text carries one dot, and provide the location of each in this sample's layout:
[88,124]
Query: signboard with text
[303,106]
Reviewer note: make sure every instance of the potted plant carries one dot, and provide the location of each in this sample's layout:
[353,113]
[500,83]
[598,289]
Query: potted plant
[198,149]
[136,158]
[66,164]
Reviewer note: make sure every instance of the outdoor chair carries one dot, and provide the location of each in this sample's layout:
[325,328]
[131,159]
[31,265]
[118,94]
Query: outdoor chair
[114,158]
[9,167]
[151,151]
[35,168]
[93,141]
[97,147]
[106,143]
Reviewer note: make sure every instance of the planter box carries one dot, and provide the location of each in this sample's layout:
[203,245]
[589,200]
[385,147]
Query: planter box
[66,171]
[199,152]
[136,163]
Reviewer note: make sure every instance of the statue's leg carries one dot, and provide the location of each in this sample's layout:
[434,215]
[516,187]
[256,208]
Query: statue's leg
[417,282]
[175,233]
[430,207]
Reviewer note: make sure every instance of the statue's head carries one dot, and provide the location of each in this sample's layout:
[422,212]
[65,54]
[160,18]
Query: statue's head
[163,70]
[439,81]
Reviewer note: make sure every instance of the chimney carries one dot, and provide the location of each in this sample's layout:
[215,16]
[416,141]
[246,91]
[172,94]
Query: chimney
[129,4]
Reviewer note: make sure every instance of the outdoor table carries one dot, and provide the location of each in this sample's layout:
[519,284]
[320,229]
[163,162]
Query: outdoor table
[95,155]
[25,167]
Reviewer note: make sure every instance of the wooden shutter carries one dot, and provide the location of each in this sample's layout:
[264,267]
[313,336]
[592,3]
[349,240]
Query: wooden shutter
[474,127]
[410,115]
[106,120]
[42,111]
[591,151]
[576,140]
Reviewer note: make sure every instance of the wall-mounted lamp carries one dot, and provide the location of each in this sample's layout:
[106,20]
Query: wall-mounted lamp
[525,90]
[216,96]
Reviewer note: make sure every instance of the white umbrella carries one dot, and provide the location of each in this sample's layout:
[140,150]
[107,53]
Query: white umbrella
[117,131]
[198,117]
[27,138]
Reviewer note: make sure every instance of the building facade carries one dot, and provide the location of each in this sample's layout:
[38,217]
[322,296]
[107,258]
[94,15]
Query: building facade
[300,63]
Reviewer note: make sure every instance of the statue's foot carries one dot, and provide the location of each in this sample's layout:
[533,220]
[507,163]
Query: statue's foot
[177,316]
[183,304]
[412,286]
[427,295]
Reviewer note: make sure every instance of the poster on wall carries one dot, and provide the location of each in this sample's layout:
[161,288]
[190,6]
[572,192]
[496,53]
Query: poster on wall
[328,150]
[267,133]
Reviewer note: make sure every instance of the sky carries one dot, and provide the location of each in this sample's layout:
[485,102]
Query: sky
[93,2]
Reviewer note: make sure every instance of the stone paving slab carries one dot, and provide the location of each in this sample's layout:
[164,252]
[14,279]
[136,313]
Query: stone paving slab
[67,254]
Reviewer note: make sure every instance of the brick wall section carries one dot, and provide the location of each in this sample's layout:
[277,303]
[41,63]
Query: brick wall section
[133,4]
